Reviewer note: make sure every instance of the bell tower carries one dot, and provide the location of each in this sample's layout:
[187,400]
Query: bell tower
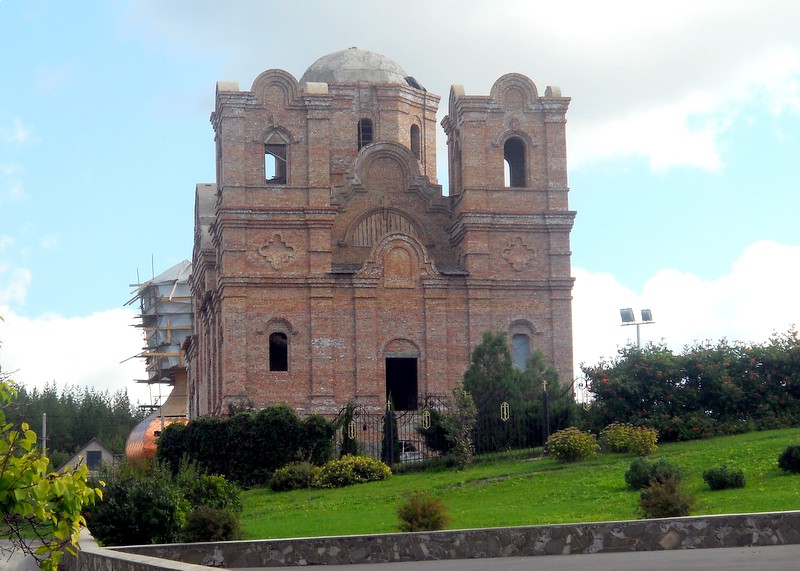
[508,182]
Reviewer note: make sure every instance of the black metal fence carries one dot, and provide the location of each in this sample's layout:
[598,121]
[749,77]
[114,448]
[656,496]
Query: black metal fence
[416,435]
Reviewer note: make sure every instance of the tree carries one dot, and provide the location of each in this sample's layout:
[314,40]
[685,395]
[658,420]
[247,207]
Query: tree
[706,390]
[42,510]
[459,423]
[493,382]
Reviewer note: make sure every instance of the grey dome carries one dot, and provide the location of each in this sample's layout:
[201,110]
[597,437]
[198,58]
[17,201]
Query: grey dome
[353,66]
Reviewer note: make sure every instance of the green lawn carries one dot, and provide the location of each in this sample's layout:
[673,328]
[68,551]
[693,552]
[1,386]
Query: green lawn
[531,491]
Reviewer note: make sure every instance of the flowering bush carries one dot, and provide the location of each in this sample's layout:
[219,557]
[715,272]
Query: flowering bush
[571,444]
[349,470]
[623,437]
[707,390]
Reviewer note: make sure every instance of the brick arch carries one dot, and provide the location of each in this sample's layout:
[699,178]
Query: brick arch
[386,153]
[280,325]
[421,263]
[371,226]
[511,83]
[276,78]
[401,347]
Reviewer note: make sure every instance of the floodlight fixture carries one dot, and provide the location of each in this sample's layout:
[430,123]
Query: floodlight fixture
[628,318]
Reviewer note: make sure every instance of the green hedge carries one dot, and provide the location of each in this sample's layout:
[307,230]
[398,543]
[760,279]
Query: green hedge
[248,447]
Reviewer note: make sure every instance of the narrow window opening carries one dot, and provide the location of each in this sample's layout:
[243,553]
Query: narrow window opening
[415,145]
[93,459]
[401,382]
[514,156]
[520,351]
[364,132]
[278,352]
[275,163]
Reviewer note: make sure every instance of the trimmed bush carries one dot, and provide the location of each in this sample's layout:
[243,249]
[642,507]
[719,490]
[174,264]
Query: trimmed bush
[349,470]
[571,445]
[642,472]
[724,478]
[294,476]
[422,512]
[209,524]
[665,498]
[789,460]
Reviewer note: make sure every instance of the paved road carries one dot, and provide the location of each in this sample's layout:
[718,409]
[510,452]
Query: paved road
[774,558]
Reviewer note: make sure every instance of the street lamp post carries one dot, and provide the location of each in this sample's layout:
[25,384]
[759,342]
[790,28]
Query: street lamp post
[628,318]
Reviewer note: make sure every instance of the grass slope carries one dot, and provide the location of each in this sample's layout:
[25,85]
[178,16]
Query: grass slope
[519,490]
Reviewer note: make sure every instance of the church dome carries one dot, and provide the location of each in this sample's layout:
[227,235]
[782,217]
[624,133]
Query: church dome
[353,66]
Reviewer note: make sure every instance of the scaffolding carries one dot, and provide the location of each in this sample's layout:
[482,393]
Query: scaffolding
[165,318]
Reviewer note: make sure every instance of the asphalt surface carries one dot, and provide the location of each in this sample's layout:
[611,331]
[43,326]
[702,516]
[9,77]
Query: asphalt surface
[773,558]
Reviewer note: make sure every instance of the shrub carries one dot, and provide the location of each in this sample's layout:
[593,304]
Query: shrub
[723,478]
[317,444]
[571,444]
[213,492]
[643,441]
[210,524]
[789,460]
[641,472]
[138,509]
[294,476]
[616,437]
[665,498]
[435,436]
[349,470]
[622,437]
[422,512]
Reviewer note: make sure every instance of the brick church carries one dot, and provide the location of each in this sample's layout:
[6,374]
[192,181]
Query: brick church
[328,264]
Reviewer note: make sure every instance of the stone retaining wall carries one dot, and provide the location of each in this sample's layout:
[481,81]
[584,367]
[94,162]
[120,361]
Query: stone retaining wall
[782,528]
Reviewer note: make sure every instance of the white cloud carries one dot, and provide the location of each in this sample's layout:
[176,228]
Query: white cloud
[754,300]
[90,351]
[11,188]
[14,281]
[658,81]
[16,134]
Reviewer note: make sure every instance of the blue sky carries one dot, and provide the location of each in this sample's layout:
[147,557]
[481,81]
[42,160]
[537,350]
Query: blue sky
[683,133]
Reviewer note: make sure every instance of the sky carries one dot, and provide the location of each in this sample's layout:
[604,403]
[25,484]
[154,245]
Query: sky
[683,149]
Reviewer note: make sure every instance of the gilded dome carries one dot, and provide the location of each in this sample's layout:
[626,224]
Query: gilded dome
[353,66]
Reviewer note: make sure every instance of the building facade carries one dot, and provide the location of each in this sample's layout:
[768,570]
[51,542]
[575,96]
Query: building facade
[328,264]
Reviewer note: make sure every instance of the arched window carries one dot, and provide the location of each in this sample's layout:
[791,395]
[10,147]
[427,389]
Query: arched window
[278,352]
[520,350]
[415,145]
[364,132]
[514,156]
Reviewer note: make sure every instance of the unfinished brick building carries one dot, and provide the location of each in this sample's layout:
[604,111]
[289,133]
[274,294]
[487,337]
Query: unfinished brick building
[328,264]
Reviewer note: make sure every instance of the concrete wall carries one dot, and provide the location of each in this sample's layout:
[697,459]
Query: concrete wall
[763,529]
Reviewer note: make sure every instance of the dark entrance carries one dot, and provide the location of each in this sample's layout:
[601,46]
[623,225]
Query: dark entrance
[401,382]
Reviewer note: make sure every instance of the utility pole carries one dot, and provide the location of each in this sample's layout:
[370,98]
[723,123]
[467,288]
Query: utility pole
[44,434]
